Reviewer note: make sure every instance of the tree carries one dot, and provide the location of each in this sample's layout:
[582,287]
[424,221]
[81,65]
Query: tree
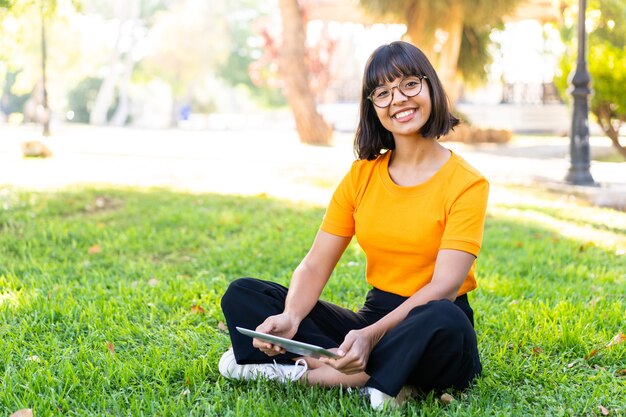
[45,9]
[607,62]
[191,42]
[43,12]
[247,65]
[452,33]
[294,73]
[134,17]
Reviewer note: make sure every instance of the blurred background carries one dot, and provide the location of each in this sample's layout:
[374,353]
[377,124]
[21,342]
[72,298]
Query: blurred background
[242,65]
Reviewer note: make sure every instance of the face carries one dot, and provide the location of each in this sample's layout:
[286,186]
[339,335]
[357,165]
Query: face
[405,116]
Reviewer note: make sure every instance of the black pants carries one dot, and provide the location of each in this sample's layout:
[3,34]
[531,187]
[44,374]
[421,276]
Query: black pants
[433,348]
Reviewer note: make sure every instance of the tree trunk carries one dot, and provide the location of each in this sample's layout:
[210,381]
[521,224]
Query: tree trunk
[448,58]
[421,33]
[106,93]
[123,107]
[295,76]
[44,57]
[603,113]
[418,30]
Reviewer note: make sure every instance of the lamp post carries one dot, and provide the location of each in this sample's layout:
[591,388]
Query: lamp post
[578,173]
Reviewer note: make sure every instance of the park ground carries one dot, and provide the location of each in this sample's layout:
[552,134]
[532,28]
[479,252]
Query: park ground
[270,160]
[115,251]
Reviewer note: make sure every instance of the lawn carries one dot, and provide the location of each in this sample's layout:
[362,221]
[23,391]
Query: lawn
[109,306]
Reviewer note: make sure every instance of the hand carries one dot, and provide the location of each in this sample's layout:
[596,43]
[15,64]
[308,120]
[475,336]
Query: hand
[281,325]
[354,351]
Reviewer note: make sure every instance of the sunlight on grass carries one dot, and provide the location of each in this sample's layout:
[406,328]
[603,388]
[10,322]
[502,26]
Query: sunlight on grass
[586,234]
[565,207]
[568,216]
[9,298]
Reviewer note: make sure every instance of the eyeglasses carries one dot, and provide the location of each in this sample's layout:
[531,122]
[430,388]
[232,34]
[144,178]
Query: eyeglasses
[409,86]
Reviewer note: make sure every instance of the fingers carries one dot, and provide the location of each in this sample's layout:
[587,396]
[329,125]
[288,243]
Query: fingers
[346,345]
[267,348]
[354,354]
[266,327]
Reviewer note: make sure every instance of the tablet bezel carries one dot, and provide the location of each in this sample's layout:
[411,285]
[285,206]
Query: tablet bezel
[290,345]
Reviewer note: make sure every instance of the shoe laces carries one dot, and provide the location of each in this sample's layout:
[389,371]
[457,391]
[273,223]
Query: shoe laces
[290,372]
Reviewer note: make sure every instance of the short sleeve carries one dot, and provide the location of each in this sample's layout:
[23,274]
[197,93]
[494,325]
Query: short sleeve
[466,219]
[339,217]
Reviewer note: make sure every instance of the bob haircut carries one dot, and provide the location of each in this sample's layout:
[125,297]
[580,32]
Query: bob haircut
[387,63]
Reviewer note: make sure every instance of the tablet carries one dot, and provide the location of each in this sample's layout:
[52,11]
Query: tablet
[289,345]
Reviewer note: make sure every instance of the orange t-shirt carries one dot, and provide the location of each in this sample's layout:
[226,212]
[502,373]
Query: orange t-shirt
[401,229]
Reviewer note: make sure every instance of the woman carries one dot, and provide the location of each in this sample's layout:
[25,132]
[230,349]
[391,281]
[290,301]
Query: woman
[417,210]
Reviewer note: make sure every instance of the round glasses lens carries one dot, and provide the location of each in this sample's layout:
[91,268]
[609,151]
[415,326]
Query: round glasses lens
[381,96]
[411,86]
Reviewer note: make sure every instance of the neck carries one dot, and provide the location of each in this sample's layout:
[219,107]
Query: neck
[417,151]
[415,161]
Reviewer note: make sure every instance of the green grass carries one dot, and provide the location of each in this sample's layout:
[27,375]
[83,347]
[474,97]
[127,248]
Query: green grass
[113,333]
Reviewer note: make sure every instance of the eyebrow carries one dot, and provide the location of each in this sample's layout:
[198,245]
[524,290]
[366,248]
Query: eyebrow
[401,77]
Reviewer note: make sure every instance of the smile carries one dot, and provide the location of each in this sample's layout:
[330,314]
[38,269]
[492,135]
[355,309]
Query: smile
[404,113]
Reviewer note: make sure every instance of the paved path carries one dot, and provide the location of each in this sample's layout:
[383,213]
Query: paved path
[264,161]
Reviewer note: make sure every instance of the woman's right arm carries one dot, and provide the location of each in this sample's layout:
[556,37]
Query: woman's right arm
[306,286]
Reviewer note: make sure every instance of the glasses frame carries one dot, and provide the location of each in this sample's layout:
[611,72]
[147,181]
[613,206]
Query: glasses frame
[420,77]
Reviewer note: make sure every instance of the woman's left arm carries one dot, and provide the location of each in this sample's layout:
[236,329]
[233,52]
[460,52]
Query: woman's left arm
[451,269]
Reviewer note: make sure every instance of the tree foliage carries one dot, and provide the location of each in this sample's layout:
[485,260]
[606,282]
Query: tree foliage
[454,34]
[607,62]
[244,20]
[192,41]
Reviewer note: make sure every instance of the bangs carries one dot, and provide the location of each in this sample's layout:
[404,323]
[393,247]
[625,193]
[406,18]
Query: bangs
[388,63]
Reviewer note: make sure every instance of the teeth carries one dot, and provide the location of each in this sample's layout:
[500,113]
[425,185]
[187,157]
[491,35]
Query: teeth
[403,114]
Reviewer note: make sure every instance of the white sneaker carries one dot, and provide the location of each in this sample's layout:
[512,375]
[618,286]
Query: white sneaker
[229,368]
[380,400]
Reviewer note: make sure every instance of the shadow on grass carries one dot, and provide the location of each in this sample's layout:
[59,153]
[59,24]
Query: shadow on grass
[109,305]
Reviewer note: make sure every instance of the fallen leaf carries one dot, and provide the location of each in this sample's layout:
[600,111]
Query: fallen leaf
[592,354]
[621,372]
[619,338]
[447,398]
[603,410]
[537,350]
[595,301]
[197,309]
[221,326]
[94,249]
[585,246]
[111,347]
[27,412]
